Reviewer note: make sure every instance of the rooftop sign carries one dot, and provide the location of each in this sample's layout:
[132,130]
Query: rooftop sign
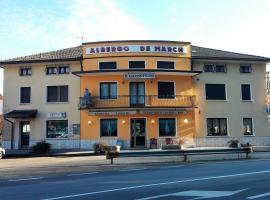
[136,49]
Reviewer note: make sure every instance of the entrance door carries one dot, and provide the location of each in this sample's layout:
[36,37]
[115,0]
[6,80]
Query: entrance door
[137,94]
[137,132]
[25,134]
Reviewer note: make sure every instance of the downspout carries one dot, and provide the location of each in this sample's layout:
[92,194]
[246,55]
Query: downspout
[12,132]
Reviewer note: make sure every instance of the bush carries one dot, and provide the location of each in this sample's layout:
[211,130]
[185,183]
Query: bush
[41,147]
[100,148]
[234,143]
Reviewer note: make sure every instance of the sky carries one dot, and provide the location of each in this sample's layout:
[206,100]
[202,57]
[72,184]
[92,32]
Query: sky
[35,26]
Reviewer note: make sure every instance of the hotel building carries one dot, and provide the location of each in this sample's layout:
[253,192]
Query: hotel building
[135,93]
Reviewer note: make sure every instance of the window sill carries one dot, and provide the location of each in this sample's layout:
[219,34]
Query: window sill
[57,102]
[57,138]
[163,137]
[109,137]
[218,136]
[217,100]
[250,101]
[24,104]
[249,135]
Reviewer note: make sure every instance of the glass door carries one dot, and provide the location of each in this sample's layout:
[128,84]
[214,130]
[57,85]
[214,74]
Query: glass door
[137,133]
[137,93]
[25,134]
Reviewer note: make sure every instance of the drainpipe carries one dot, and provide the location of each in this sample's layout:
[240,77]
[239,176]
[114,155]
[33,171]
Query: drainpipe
[12,132]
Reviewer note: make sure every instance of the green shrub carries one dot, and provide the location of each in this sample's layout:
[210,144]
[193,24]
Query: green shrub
[41,147]
[100,148]
[233,143]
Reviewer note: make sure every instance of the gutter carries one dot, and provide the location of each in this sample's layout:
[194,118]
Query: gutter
[12,132]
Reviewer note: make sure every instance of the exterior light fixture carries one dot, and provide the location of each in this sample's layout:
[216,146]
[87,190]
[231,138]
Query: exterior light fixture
[89,122]
[123,121]
[185,121]
[152,121]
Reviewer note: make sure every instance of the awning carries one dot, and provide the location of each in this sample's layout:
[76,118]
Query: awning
[21,114]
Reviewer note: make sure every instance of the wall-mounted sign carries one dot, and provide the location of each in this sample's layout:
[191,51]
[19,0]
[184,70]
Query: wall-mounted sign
[138,111]
[268,109]
[136,49]
[139,76]
[113,113]
[57,115]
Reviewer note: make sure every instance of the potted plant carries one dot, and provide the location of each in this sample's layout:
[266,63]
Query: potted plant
[153,143]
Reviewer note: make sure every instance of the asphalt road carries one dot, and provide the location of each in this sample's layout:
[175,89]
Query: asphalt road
[224,180]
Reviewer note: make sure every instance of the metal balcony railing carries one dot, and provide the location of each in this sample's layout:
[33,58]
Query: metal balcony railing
[128,101]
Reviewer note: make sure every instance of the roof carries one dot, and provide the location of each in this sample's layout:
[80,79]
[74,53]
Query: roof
[76,53]
[215,54]
[145,41]
[21,114]
[68,54]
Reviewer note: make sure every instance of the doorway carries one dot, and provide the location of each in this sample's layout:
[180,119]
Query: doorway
[25,134]
[137,94]
[137,132]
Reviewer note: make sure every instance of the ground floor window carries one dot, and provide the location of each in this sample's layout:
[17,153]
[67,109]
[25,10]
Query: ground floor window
[108,128]
[167,127]
[247,125]
[57,129]
[217,127]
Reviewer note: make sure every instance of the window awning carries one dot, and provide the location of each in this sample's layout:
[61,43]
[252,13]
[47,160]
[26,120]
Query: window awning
[21,114]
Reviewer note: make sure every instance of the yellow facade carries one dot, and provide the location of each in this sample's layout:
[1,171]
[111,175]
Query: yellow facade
[183,83]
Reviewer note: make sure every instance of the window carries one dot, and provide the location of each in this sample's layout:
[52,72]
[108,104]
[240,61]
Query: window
[216,127]
[215,91]
[25,94]
[218,68]
[221,68]
[166,90]
[246,92]
[26,71]
[57,93]
[245,69]
[247,125]
[167,127]
[108,127]
[136,64]
[64,69]
[107,65]
[108,90]
[57,128]
[165,65]
[209,68]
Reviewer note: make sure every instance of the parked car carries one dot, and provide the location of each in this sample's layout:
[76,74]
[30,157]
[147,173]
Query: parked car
[2,152]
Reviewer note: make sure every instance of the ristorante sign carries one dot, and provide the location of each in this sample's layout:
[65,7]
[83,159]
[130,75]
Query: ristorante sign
[135,49]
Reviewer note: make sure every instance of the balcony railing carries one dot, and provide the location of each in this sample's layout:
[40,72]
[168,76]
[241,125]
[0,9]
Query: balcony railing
[127,101]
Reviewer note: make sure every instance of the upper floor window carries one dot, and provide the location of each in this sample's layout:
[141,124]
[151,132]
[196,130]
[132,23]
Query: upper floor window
[166,90]
[108,90]
[26,71]
[136,64]
[245,69]
[62,69]
[246,92]
[107,65]
[165,65]
[57,93]
[215,91]
[219,68]
[25,95]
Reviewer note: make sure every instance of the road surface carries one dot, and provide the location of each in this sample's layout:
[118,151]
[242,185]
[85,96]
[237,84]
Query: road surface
[246,179]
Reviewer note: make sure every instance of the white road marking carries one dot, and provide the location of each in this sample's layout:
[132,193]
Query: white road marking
[157,184]
[134,169]
[259,196]
[79,174]
[173,166]
[25,179]
[199,194]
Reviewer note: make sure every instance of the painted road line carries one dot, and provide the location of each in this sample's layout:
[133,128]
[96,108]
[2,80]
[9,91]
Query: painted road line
[157,184]
[173,166]
[199,194]
[134,169]
[259,196]
[80,174]
[25,179]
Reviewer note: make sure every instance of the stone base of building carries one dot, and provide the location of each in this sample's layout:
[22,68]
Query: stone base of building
[223,141]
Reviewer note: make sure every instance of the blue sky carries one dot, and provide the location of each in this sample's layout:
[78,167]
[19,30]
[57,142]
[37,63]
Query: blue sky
[33,26]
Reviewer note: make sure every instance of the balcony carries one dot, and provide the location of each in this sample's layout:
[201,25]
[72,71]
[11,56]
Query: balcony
[137,101]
